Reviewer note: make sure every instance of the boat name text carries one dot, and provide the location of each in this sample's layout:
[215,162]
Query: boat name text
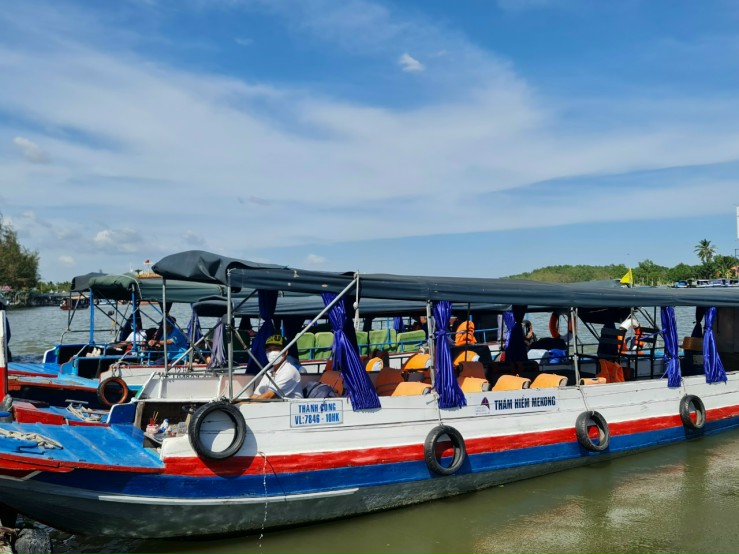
[326,412]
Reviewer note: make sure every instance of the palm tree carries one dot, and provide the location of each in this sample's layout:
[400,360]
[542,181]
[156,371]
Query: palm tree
[705,251]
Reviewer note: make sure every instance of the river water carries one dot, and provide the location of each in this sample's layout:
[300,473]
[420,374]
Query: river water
[681,498]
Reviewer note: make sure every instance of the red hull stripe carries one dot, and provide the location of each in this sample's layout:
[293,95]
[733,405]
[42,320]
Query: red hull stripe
[291,463]
[14,462]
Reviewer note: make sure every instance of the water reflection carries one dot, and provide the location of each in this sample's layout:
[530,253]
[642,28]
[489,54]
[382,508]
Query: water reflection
[680,498]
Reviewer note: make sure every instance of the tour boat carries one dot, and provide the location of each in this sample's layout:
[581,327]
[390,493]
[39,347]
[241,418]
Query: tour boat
[224,463]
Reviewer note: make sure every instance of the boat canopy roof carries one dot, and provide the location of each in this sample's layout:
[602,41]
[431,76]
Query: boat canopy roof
[501,292]
[81,283]
[203,267]
[309,305]
[122,287]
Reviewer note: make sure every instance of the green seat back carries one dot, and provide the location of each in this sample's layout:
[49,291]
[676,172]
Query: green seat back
[324,342]
[305,346]
[362,340]
[411,341]
[379,339]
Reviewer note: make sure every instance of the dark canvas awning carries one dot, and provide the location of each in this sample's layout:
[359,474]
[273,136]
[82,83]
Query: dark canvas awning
[202,267]
[81,283]
[501,292]
[121,287]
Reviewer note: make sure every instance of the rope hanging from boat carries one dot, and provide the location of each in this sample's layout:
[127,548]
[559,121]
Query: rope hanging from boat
[356,380]
[669,334]
[450,395]
[42,441]
[711,361]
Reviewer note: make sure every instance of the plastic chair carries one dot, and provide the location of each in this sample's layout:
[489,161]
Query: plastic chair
[472,369]
[549,380]
[387,381]
[323,344]
[374,364]
[333,379]
[473,384]
[363,342]
[382,339]
[413,388]
[512,382]
[417,362]
[466,356]
[411,341]
[305,346]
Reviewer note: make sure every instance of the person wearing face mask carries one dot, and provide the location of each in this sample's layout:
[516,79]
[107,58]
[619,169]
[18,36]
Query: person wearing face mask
[283,373]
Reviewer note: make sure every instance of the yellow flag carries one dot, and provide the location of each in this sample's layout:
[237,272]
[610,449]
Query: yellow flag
[628,279]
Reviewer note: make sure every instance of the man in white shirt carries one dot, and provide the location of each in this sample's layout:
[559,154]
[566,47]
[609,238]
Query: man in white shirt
[283,373]
[139,337]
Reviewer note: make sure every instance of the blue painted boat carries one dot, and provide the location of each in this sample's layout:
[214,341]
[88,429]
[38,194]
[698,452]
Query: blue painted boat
[228,463]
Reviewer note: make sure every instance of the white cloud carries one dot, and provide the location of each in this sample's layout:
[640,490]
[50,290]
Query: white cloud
[314,260]
[119,240]
[410,64]
[104,238]
[67,261]
[243,41]
[202,159]
[31,151]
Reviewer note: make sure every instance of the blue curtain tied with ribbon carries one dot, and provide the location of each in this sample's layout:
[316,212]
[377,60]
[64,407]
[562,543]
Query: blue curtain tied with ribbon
[267,305]
[711,361]
[508,321]
[450,395]
[356,381]
[218,354]
[516,351]
[669,334]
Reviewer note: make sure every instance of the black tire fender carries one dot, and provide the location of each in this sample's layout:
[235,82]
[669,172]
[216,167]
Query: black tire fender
[582,426]
[107,391]
[700,412]
[206,423]
[429,450]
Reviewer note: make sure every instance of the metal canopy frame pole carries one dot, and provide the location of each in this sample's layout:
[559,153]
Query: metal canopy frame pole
[164,320]
[575,356]
[431,326]
[92,318]
[229,337]
[324,311]
[134,327]
[3,360]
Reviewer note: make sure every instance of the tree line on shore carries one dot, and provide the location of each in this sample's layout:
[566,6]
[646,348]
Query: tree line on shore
[711,266]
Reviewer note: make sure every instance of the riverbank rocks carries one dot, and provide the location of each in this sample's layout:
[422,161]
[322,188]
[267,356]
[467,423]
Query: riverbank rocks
[30,541]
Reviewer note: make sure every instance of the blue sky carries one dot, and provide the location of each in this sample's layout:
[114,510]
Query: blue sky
[475,138]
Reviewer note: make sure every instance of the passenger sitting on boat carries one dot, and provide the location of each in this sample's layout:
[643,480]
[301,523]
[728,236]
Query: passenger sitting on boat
[528,333]
[139,337]
[285,376]
[176,341]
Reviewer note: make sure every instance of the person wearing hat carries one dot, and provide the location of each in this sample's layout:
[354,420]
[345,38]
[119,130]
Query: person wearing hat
[284,374]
